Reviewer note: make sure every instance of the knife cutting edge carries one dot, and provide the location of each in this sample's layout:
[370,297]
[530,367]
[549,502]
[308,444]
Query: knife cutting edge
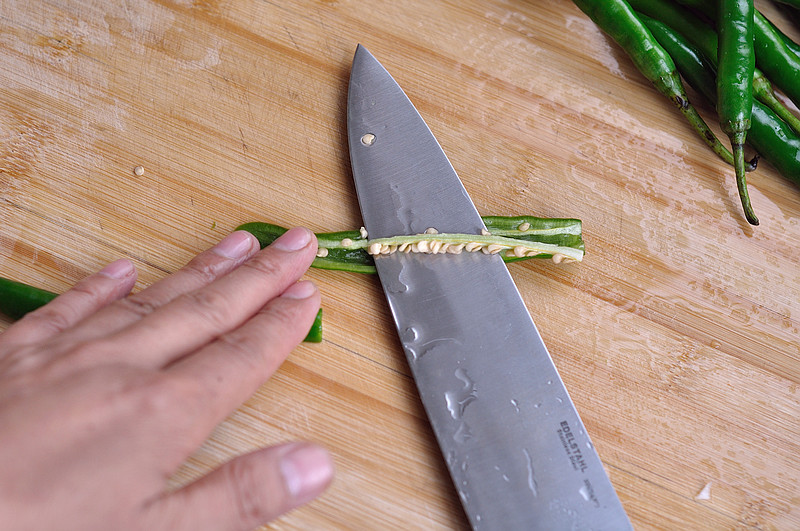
[516,449]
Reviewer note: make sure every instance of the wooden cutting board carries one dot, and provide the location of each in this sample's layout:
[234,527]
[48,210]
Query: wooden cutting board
[677,336]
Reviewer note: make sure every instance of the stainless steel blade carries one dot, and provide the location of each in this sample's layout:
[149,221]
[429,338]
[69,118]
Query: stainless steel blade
[516,449]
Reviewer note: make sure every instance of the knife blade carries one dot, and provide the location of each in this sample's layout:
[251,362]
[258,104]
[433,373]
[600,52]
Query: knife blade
[516,449]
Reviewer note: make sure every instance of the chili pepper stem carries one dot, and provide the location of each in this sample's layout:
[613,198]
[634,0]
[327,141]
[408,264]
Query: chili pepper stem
[769,99]
[737,144]
[699,125]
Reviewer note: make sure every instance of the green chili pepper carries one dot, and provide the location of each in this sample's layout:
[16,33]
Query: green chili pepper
[769,135]
[776,60]
[554,238]
[705,38]
[17,299]
[793,46]
[315,333]
[775,141]
[762,90]
[618,20]
[735,65]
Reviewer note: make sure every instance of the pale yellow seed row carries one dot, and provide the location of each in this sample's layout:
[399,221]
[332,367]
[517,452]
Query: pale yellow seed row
[440,247]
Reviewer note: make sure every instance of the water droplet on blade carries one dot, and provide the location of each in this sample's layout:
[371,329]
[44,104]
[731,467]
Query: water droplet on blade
[408,338]
[534,488]
[393,275]
[410,335]
[459,399]
[462,434]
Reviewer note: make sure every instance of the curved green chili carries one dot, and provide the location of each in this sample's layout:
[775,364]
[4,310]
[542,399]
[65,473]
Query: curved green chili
[769,135]
[735,65]
[618,20]
[17,299]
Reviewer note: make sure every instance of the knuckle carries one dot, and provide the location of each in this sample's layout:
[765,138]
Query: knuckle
[265,266]
[285,315]
[77,355]
[203,268]
[246,486]
[154,395]
[211,305]
[88,289]
[244,349]
[51,319]
[21,362]
[92,351]
[137,305]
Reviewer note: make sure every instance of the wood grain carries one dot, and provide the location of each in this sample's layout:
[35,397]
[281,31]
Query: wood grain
[677,336]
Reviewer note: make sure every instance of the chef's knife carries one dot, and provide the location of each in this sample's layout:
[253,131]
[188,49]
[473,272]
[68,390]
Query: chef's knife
[518,453]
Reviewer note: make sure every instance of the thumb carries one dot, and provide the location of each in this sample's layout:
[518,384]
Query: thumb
[248,491]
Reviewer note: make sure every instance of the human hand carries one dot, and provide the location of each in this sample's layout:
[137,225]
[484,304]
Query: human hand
[103,395]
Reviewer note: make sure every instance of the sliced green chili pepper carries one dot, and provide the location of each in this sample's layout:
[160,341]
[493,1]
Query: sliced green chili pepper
[618,20]
[769,135]
[17,299]
[315,333]
[735,65]
[338,258]
[555,238]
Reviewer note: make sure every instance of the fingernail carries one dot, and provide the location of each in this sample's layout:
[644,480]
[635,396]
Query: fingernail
[235,245]
[300,290]
[307,469]
[293,239]
[118,269]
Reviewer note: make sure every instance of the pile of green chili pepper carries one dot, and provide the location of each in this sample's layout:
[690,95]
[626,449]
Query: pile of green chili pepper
[346,251]
[728,52]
